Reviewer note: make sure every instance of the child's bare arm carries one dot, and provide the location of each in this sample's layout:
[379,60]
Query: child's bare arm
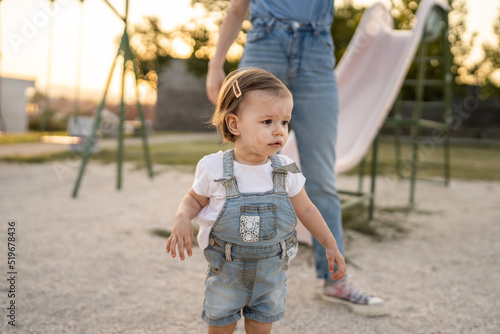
[310,216]
[182,234]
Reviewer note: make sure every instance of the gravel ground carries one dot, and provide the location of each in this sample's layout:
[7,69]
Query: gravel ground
[93,265]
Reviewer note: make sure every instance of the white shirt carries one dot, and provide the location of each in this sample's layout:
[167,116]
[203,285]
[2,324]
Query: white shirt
[250,179]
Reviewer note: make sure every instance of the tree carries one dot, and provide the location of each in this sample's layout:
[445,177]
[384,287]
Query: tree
[213,6]
[153,49]
[344,25]
[461,47]
[487,70]
[404,12]
[347,18]
[154,46]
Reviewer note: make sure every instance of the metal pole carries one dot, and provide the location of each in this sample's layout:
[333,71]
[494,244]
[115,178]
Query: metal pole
[126,12]
[361,174]
[122,116]
[374,176]
[48,85]
[140,111]
[124,46]
[417,116]
[114,10]
[448,79]
[97,119]
[125,51]
[397,135]
[78,79]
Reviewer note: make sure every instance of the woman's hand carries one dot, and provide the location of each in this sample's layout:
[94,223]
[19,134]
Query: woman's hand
[215,77]
[236,14]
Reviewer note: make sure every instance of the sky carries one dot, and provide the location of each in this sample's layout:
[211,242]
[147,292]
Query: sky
[25,26]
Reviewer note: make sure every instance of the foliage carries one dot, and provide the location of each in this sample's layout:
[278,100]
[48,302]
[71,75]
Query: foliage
[213,6]
[18,138]
[344,25]
[152,48]
[486,69]
[468,161]
[204,45]
[53,124]
[404,13]
[37,97]
[182,153]
[201,36]
[461,47]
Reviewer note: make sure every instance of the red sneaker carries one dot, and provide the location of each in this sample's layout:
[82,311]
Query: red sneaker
[357,300]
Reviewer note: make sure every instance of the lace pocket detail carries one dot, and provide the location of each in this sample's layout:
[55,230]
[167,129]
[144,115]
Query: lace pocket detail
[258,222]
[249,228]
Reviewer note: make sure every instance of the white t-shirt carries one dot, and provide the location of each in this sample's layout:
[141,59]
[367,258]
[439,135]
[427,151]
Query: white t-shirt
[250,179]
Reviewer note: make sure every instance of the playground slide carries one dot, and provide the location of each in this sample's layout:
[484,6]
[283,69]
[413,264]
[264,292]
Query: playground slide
[370,75]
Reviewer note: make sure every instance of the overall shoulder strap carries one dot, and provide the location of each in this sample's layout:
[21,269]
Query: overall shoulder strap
[280,172]
[228,162]
[229,181]
[275,161]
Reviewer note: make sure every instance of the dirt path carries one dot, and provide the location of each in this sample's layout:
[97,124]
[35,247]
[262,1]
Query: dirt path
[92,265]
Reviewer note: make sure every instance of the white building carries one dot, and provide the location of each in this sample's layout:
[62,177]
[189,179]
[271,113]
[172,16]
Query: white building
[13,102]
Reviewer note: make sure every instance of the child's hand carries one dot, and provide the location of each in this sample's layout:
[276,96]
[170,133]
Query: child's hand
[182,235]
[334,256]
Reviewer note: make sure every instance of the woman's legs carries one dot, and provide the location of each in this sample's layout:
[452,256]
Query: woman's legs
[314,121]
[304,61]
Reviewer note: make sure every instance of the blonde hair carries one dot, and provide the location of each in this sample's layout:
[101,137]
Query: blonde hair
[234,90]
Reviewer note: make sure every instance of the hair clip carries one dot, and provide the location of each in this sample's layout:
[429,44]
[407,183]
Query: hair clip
[237,93]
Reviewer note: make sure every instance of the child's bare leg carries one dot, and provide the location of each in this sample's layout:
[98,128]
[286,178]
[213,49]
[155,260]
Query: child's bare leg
[228,329]
[255,327]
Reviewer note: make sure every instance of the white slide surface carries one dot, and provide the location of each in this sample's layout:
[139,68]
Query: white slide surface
[369,76]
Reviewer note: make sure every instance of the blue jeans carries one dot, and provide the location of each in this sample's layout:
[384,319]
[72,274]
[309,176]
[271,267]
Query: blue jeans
[301,55]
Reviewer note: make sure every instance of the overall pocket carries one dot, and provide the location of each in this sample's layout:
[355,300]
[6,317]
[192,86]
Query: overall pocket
[258,222]
[215,261]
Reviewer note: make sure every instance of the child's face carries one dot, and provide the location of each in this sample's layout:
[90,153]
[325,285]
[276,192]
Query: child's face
[261,126]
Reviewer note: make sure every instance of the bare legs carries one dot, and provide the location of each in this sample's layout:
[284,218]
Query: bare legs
[251,327]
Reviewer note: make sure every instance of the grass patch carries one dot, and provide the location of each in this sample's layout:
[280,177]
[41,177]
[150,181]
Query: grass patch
[183,153]
[36,158]
[467,161]
[28,137]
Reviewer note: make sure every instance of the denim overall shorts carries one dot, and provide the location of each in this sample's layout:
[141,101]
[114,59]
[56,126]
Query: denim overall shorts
[250,246]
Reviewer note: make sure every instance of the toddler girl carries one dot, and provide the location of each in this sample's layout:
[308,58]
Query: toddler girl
[246,201]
